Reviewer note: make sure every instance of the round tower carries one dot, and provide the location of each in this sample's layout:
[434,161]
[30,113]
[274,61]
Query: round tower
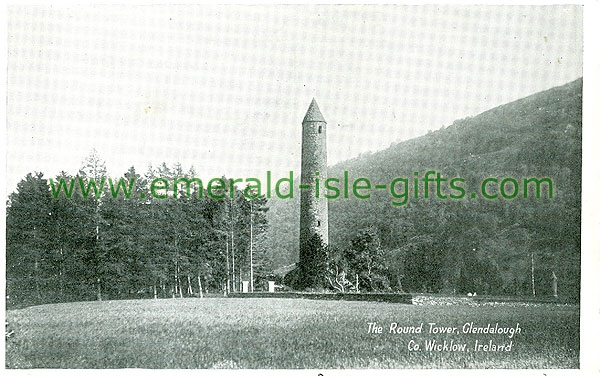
[313,210]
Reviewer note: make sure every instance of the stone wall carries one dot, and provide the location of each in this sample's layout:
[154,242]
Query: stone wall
[371,297]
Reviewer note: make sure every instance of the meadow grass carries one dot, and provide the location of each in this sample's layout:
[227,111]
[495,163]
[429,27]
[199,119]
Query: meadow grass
[278,333]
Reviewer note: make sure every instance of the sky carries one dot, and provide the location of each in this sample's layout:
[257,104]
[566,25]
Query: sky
[225,88]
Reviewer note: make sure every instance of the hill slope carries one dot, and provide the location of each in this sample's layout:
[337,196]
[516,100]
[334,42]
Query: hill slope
[537,136]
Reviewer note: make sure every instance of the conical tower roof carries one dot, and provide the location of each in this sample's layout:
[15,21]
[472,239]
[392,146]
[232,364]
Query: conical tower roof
[313,113]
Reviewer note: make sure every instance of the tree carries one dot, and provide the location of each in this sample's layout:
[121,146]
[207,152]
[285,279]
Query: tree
[93,175]
[67,243]
[124,226]
[258,228]
[365,258]
[28,232]
[336,272]
[313,271]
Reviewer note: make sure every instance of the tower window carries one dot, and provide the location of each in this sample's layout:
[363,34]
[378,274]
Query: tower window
[320,128]
[319,222]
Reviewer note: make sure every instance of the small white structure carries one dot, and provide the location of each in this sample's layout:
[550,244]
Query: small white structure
[271,286]
[245,286]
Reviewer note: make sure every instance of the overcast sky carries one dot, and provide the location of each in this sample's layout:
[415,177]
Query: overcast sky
[225,88]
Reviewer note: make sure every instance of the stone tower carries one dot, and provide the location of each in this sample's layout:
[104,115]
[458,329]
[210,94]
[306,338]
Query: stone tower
[313,210]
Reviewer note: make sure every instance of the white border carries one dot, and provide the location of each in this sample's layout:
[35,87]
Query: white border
[590,255]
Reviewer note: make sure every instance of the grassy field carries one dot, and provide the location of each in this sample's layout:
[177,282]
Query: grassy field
[279,333]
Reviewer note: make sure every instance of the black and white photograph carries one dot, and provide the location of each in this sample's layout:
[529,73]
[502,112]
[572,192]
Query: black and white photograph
[315,187]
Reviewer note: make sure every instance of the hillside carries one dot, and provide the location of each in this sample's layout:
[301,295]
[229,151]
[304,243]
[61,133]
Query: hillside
[449,240]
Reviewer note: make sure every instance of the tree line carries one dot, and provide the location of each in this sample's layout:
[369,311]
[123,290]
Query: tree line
[67,249]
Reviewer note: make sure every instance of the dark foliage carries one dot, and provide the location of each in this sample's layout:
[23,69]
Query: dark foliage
[468,245]
[66,249]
